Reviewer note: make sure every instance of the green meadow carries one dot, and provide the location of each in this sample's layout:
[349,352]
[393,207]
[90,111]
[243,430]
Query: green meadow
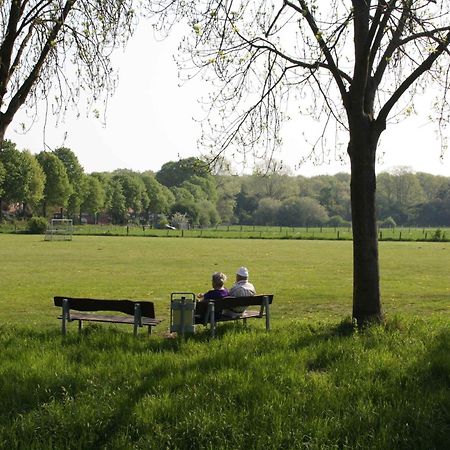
[313,382]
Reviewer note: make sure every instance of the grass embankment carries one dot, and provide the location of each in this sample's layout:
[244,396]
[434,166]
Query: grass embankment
[312,382]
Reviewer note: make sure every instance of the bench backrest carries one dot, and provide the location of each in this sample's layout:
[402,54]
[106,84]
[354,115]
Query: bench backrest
[92,304]
[232,302]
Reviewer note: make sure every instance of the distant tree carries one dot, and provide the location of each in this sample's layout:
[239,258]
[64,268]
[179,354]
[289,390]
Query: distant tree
[133,189]
[115,202]
[93,196]
[40,39]
[301,212]
[174,173]
[57,188]
[337,221]
[207,183]
[23,177]
[36,182]
[75,174]
[437,211]
[272,182]
[14,183]
[194,189]
[207,214]
[267,212]
[227,190]
[2,179]
[246,202]
[160,197]
[398,193]
[431,184]
[334,195]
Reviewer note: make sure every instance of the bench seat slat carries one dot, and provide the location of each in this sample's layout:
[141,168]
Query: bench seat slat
[237,316]
[232,302]
[93,304]
[111,319]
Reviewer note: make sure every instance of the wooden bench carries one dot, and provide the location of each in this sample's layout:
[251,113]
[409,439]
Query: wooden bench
[138,314]
[213,311]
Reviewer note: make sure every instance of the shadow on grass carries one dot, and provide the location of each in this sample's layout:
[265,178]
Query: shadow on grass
[422,393]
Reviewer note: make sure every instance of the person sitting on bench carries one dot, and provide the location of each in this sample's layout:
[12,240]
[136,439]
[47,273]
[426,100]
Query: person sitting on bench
[218,290]
[242,288]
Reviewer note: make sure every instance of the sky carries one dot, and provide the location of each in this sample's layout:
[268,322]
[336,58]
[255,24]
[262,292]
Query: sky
[150,121]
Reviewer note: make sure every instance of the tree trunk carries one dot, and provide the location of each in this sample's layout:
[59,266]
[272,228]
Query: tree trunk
[366,279]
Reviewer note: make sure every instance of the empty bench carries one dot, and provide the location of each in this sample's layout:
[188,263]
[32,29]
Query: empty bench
[213,311]
[137,313]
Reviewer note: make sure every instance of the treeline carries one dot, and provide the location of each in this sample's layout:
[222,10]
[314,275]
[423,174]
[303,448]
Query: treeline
[184,193]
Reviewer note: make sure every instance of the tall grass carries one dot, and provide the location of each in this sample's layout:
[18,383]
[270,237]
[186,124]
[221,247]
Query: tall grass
[313,382]
[304,385]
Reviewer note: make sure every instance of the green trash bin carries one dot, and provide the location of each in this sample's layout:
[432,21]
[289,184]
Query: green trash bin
[182,310]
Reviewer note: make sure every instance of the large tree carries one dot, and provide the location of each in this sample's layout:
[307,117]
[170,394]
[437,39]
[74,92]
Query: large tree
[58,47]
[353,63]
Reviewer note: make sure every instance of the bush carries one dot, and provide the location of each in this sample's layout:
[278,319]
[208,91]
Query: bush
[388,223]
[337,221]
[437,235]
[37,225]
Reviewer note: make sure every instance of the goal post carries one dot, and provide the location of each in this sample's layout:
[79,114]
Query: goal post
[59,230]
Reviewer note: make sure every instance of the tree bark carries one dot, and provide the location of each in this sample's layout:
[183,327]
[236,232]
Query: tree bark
[366,279]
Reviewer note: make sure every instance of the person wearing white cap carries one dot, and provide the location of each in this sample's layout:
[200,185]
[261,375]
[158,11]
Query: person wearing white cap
[242,287]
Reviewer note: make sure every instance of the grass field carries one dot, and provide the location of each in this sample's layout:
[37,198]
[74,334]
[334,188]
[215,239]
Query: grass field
[308,278]
[313,382]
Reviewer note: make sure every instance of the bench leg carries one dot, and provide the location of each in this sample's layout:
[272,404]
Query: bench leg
[65,316]
[149,329]
[212,319]
[244,321]
[266,307]
[137,318]
[63,326]
[80,326]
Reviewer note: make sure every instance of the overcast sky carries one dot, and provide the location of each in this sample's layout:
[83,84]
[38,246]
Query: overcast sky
[150,121]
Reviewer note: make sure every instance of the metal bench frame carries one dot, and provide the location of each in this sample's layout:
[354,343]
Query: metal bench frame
[139,314]
[215,308]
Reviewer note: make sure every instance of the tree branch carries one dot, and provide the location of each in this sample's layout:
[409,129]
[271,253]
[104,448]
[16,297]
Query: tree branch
[332,66]
[393,45]
[19,98]
[377,30]
[416,74]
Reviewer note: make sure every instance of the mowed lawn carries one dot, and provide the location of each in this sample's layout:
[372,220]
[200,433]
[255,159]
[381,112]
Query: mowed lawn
[309,278]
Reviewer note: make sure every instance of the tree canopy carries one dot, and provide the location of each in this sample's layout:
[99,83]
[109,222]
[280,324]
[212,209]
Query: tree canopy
[354,65]
[54,50]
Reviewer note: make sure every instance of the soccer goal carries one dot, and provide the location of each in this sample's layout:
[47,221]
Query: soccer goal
[59,230]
